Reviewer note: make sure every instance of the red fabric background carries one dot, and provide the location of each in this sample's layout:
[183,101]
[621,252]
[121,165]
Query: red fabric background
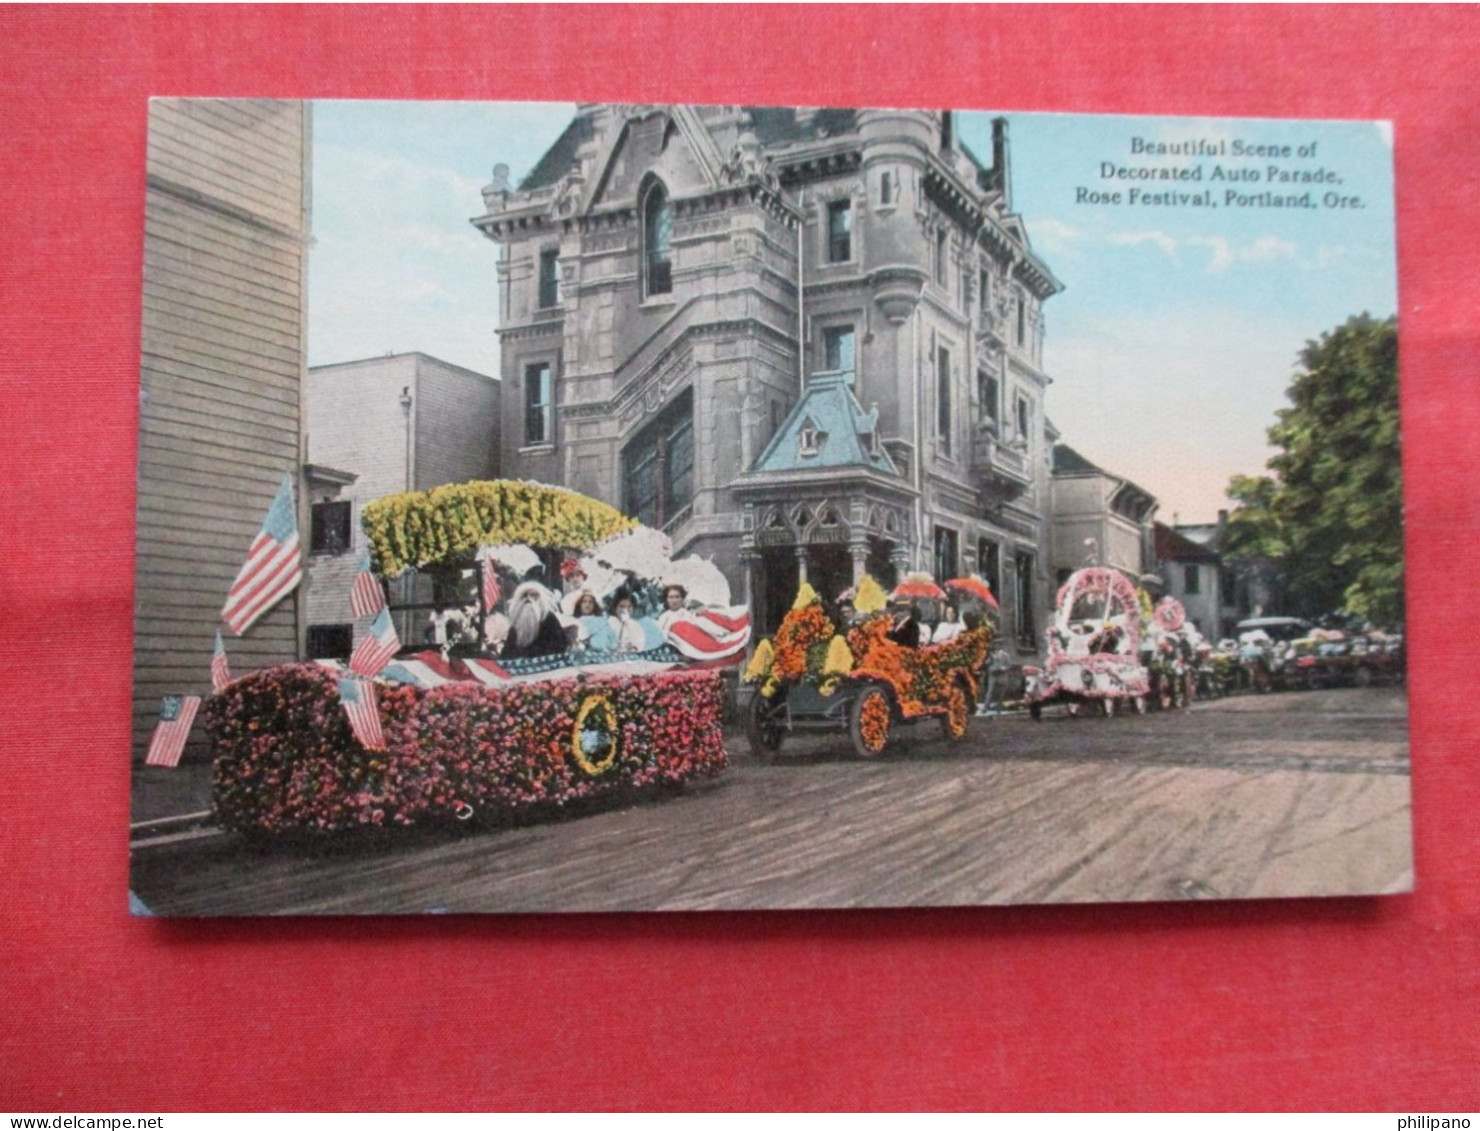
[1308,1004]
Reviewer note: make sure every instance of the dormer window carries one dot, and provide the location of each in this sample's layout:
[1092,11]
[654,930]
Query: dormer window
[810,440]
[657,240]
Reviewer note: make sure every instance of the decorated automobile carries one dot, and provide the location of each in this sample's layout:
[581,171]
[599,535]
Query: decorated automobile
[564,656]
[1094,648]
[866,672]
[1268,659]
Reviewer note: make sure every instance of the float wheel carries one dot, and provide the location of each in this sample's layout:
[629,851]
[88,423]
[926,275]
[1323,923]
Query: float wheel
[957,718]
[765,724]
[869,721]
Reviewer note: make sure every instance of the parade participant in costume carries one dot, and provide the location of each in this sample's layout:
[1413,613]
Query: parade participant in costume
[906,629]
[534,623]
[591,627]
[949,627]
[628,632]
[702,633]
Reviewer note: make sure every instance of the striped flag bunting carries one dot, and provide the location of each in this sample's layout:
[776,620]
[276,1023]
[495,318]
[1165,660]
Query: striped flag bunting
[360,705]
[709,634]
[220,673]
[376,648]
[175,718]
[367,597]
[273,567]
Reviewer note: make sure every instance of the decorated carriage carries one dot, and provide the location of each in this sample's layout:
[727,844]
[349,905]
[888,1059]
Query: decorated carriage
[1094,648]
[471,720]
[867,677]
[1170,649]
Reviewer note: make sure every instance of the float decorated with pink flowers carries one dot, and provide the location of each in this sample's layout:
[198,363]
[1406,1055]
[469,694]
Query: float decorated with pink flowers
[520,648]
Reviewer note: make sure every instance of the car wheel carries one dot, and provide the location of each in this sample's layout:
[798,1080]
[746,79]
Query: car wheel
[869,721]
[765,724]
[957,718]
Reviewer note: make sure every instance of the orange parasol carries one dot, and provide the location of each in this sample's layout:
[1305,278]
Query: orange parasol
[975,588]
[917,587]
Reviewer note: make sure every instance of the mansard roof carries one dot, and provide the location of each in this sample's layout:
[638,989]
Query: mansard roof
[839,431]
[560,158]
[772,125]
[778,125]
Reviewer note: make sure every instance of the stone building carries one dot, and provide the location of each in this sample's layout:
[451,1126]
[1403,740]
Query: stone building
[1098,518]
[221,413]
[696,300]
[378,427]
[1192,573]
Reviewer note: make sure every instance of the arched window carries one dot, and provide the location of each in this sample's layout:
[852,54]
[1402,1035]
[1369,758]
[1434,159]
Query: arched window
[657,239]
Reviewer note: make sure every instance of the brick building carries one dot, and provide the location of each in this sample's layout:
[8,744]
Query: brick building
[377,427]
[681,286]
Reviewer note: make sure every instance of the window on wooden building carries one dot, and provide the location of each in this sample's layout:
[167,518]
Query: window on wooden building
[329,528]
[330,641]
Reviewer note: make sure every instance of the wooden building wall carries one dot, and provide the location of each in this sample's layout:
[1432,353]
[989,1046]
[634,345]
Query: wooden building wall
[221,414]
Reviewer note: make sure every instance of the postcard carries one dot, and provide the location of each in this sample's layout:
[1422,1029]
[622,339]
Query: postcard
[627,507]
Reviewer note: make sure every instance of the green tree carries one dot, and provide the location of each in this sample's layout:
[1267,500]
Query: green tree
[1331,514]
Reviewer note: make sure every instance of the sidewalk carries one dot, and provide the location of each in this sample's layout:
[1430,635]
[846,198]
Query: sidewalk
[160,793]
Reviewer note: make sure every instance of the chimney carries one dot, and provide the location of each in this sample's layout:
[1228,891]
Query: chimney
[1001,172]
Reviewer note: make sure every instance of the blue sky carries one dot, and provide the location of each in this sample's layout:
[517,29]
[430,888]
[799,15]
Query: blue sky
[1170,348]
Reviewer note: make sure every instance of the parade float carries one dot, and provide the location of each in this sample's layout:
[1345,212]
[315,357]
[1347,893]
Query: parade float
[853,674]
[1169,650]
[465,724]
[1094,648]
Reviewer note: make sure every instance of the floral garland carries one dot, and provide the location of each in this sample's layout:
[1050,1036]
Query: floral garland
[286,759]
[922,678]
[802,633]
[418,528]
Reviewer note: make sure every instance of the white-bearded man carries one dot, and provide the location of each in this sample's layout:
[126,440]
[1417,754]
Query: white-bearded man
[535,628]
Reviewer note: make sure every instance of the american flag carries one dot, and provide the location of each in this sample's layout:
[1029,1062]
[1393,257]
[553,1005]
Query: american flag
[367,597]
[273,568]
[173,728]
[376,648]
[359,702]
[220,673]
[491,591]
